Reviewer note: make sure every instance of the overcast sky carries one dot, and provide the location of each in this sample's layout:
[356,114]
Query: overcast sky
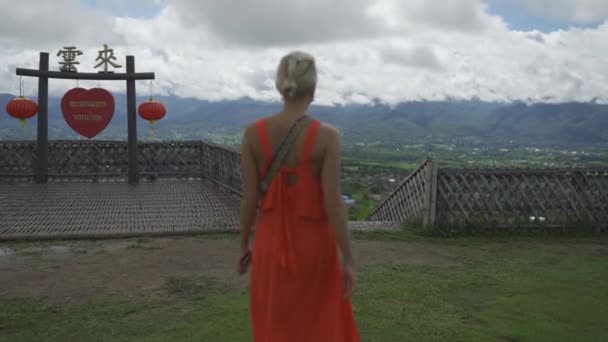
[366,50]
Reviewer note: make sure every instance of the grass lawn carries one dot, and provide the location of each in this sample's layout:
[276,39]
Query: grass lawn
[422,289]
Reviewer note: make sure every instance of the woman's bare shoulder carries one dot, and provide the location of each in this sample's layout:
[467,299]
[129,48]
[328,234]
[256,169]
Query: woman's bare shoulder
[251,128]
[252,124]
[328,131]
[250,133]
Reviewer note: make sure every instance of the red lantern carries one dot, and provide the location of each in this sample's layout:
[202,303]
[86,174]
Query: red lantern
[22,108]
[152,111]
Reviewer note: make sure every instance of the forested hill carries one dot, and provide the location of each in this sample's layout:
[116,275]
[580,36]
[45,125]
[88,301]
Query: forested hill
[544,124]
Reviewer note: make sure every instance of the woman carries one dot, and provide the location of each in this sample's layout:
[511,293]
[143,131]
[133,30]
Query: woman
[300,287]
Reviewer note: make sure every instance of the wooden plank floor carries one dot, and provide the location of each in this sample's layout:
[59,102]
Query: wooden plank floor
[85,209]
[114,209]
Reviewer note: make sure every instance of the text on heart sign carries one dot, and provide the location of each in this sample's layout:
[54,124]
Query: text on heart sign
[88,112]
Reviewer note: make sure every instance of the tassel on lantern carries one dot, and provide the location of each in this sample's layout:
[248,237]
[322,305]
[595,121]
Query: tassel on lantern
[152,125]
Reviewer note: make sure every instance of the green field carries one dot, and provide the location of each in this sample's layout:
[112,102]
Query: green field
[411,289]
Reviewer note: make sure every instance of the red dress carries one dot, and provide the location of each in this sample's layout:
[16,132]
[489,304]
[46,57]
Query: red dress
[296,289]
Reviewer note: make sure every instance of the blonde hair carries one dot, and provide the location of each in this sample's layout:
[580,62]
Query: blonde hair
[296,74]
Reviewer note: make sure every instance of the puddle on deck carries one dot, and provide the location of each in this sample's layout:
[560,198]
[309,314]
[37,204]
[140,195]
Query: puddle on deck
[6,251]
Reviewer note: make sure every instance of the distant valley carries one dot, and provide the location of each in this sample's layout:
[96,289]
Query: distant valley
[561,125]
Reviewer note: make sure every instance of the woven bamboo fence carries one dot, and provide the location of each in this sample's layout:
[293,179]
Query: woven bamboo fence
[108,160]
[17,160]
[222,166]
[411,201]
[498,198]
[428,196]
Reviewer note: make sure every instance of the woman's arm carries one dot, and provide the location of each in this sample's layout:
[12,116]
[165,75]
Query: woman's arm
[334,203]
[250,179]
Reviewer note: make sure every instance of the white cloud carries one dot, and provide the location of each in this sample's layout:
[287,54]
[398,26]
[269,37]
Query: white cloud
[275,22]
[412,56]
[390,50]
[575,11]
[278,22]
[406,17]
[29,23]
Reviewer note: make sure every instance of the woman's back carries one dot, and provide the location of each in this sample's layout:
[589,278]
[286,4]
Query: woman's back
[275,129]
[299,289]
[296,283]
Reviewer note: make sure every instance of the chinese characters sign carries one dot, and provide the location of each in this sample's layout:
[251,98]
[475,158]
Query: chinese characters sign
[70,53]
[105,57]
[88,112]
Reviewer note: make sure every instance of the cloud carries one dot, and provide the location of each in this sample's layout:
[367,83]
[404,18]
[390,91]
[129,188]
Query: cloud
[389,50]
[277,22]
[28,23]
[574,11]
[465,16]
[412,56]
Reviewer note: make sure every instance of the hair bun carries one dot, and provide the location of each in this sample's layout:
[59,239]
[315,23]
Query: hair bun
[288,88]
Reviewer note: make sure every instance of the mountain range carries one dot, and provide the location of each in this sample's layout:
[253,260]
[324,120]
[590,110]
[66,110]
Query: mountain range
[564,124]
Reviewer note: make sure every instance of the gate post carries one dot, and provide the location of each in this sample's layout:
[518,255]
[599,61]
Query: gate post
[430,196]
[43,121]
[132,123]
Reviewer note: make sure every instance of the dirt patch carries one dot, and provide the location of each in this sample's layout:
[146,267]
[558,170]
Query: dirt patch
[375,252]
[75,272]
[85,270]
[596,250]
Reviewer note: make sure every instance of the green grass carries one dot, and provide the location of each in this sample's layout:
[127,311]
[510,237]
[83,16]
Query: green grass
[523,289]
[214,318]
[521,299]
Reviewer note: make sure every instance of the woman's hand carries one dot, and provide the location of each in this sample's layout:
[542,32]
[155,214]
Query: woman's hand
[244,262]
[349,275]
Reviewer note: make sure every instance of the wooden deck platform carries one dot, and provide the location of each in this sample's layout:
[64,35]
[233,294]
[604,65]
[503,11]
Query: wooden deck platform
[68,210]
[113,209]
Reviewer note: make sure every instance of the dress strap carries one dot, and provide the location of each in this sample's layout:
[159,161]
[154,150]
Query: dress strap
[263,134]
[309,143]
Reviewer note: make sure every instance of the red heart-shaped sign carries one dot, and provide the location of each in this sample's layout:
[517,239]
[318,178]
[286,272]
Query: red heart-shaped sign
[88,112]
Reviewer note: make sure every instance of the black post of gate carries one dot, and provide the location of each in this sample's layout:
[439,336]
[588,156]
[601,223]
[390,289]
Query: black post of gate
[44,74]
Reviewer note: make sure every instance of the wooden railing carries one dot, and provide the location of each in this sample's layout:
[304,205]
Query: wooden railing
[17,160]
[171,159]
[83,159]
[108,160]
[411,201]
[505,198]
[499,198]
[222,165]
[429,195]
